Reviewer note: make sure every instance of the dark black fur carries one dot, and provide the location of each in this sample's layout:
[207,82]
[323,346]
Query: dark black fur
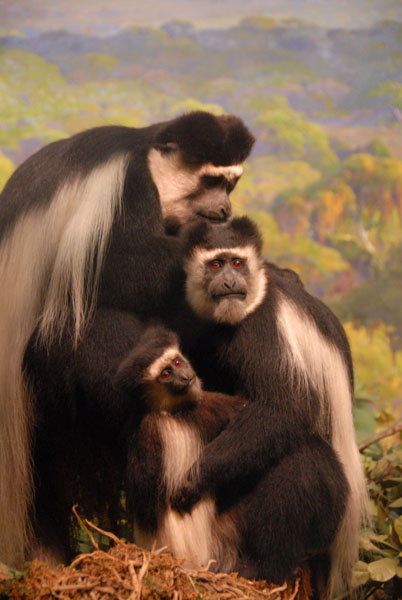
[273,451]
[242,232]
[222,142]
[81,420]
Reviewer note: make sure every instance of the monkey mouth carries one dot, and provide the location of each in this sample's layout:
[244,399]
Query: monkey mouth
[230,295]
[185,388]
[212,218]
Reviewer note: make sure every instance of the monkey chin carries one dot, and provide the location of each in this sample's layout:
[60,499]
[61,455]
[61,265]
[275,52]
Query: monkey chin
[230,310]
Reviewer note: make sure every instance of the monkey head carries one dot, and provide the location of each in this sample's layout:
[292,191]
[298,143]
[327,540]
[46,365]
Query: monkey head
[157,370]
[226,278]
[195,163]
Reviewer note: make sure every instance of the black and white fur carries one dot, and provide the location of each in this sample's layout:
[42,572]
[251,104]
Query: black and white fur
[261,335]
[82,227]
[180,419]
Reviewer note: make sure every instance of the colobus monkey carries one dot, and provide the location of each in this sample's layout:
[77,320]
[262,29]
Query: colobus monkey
[261,335]
[82,226]
[180,419]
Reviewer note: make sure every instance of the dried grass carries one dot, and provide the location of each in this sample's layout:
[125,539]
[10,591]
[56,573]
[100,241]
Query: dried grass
[128,572]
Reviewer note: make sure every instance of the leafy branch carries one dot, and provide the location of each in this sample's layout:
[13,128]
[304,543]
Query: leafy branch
[380,436]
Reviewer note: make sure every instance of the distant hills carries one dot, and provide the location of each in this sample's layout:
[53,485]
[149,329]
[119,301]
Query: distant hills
[93,16]
[323,72]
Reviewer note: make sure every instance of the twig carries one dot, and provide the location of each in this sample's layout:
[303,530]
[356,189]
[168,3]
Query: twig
[103,532]
[380,436]
[74,509]
[277,589]
[134,581]
[297,585]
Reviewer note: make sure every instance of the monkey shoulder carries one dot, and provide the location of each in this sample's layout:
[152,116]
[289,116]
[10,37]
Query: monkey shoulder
[284,274]
[311,309]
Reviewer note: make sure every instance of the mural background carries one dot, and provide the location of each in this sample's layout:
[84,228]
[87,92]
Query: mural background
[319,83]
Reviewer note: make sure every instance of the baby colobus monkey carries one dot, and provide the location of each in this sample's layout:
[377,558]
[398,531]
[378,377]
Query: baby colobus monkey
[180,418]
[253,330]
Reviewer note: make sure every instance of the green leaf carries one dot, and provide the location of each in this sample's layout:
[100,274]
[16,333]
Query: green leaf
[396,504]
[7,572]
[365,423]
[383,569]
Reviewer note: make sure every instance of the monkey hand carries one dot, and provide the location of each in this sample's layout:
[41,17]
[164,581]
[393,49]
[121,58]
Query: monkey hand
[185,498]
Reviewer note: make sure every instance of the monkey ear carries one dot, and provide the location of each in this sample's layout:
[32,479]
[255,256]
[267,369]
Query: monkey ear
[167,147]
[248,231]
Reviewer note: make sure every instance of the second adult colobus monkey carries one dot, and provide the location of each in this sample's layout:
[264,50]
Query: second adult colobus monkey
[253,330]
[83,245]
[180,419]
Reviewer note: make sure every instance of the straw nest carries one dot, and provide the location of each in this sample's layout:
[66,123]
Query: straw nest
[126,571]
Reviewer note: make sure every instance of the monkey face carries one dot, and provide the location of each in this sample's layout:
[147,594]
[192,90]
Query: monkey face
[225,285]
[177,375]
[226,281]
[187,191]
[170,381]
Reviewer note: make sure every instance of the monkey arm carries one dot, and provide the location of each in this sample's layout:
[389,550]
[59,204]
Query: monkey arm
[214,412]
[255,440]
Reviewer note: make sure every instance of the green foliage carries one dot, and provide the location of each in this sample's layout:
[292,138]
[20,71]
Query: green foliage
[381,547]
[379,148]
[289,135]
[378,367]
[356,208]
[377,300]
[315,263]
[31,92]
[389,92]
[265,177]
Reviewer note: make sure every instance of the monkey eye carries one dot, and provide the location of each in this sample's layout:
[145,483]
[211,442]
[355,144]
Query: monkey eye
[231,185]
[166,373]
[177,362]
[237,263]
[215,265]
[213,181]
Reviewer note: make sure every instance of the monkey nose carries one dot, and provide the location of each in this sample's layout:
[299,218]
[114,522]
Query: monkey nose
[187,376]
[226,211]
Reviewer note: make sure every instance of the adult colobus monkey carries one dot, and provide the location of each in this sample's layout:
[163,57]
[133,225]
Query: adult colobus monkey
[82,226]
[261,335]
[180,419]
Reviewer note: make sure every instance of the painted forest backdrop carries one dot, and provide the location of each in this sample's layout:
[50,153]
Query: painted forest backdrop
[324,180]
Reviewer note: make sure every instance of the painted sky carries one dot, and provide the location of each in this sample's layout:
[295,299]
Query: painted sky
[93,16]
